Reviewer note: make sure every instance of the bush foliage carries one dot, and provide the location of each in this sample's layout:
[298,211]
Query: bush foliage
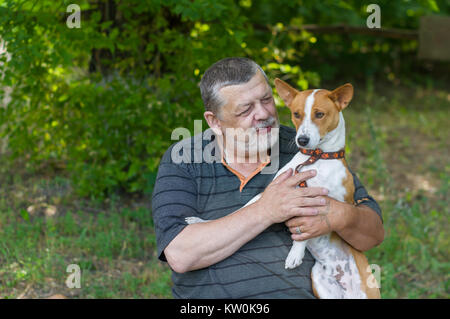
[103,99]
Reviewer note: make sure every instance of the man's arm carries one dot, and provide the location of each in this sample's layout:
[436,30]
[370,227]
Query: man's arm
[361,226]
[203,244]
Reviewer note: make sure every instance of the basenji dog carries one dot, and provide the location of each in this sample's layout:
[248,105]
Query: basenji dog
[340,271]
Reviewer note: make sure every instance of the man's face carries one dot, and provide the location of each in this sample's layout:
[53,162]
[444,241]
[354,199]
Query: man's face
[249,114]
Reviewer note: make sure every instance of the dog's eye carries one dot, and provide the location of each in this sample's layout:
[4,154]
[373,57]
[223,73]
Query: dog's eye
[319,115]
[296,115]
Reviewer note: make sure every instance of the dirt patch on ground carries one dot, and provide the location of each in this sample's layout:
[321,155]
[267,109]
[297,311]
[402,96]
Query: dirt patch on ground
[415,166]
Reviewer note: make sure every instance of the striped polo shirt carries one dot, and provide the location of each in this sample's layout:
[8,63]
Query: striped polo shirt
[211,190]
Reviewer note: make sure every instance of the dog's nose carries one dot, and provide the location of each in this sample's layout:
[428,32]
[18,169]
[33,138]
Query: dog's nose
[303,140]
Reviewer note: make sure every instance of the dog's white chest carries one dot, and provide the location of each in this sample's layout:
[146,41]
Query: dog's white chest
[335,274]
[330,174]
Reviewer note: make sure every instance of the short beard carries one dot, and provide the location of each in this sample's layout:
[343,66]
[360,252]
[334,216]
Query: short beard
[247,145]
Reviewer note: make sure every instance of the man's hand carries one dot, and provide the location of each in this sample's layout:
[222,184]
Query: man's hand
[281,199]
[359,226]
[313,226]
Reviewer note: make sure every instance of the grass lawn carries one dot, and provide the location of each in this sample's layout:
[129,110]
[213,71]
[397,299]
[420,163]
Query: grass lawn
[398,142]
[114,248]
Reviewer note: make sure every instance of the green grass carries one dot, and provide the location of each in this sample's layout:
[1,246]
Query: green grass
[115,251]
[397,142]
[404,139]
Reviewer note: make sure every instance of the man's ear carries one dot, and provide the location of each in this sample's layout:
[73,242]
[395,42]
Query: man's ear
[213,122]
[285,91]
[342,96]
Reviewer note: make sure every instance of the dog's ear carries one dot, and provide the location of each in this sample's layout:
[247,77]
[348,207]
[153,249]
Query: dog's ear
[285,91]
[342,96]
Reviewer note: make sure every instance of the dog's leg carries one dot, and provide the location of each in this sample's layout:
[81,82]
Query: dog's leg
[292,164]
[254,199]
[295,256]
[194,220]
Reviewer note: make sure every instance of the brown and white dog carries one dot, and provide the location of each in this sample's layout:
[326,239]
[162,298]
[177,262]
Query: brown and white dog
[340,270]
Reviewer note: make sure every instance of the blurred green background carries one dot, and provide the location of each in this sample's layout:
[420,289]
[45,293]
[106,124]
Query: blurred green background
[86,114]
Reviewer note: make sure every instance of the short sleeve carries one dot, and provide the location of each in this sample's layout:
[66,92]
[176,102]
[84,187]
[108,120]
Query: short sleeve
[174,198]
[361,197]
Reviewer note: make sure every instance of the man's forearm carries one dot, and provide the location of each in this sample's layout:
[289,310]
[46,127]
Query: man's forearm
[360,226]
[203,244]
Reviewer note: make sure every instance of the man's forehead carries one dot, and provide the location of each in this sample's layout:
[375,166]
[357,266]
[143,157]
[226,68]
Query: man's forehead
[244,93]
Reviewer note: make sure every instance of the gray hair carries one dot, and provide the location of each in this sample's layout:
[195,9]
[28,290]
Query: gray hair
[228,71]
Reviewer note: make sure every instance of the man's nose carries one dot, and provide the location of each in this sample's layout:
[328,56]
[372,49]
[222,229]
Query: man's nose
[303,140]
[262,113]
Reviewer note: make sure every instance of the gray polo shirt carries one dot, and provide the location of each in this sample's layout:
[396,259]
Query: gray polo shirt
[211,191]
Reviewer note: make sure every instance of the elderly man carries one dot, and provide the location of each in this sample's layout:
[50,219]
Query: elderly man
[241,252]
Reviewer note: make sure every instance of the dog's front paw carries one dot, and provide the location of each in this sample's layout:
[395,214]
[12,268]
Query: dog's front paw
[194,220]
[294,259]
